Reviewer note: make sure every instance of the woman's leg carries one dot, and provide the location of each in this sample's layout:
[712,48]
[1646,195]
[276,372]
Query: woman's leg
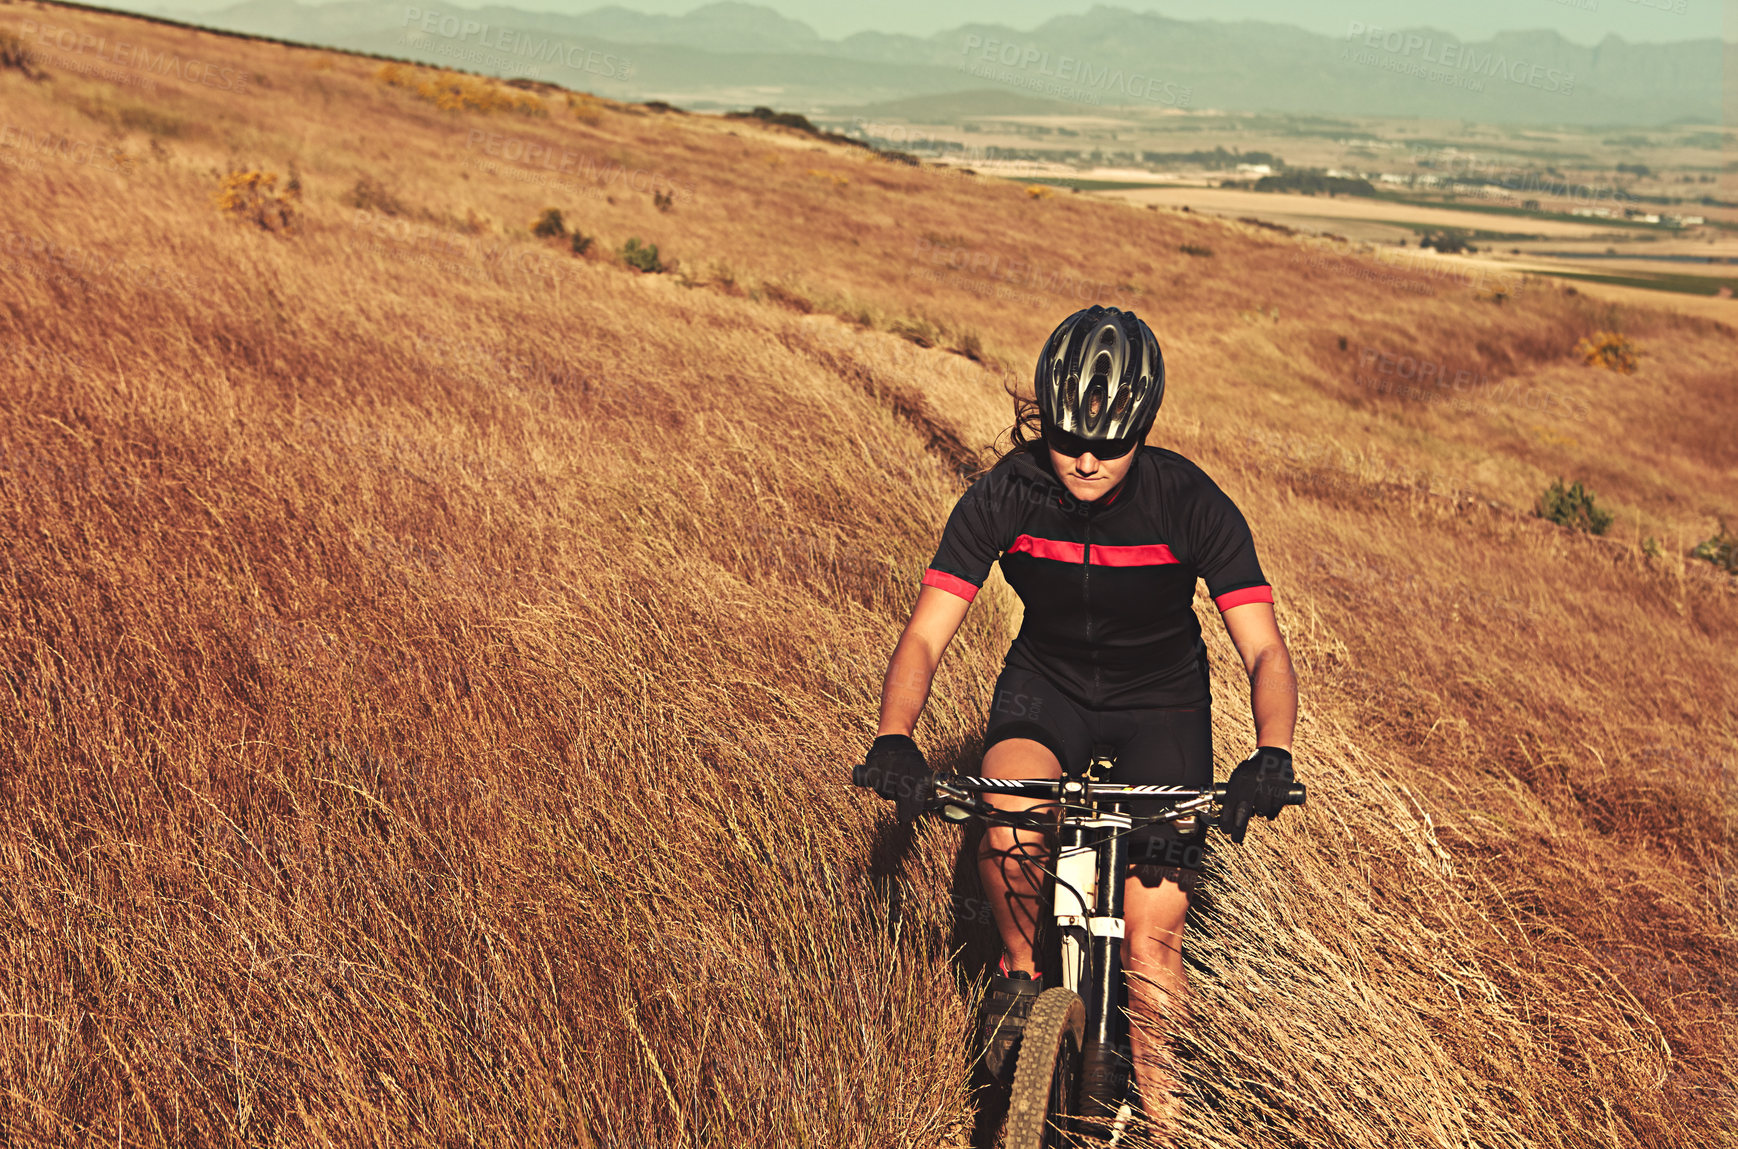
[1011,862]
[1153,960]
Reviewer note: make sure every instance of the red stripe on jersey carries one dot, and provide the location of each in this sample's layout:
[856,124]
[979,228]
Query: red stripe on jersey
[1243,597]
[1145,555]
[953,584]
[1054,549]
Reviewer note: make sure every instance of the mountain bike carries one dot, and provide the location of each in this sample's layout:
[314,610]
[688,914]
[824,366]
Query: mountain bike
[1070,1069]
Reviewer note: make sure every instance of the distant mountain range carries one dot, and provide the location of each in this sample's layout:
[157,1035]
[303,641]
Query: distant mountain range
[731,55]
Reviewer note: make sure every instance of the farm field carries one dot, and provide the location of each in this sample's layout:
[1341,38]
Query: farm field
[453,533]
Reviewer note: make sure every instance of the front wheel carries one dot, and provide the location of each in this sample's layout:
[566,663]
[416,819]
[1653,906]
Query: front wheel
[1047,1072]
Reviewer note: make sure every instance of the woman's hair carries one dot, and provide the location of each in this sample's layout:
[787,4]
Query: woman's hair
[1025,437]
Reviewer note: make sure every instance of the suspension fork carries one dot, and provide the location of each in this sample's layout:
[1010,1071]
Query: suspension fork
[1103,1076]
[1074,902]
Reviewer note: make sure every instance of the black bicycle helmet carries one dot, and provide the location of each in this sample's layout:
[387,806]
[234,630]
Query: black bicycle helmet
[1100,376]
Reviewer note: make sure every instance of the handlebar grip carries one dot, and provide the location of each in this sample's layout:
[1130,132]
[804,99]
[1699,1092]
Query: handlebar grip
[1295,795]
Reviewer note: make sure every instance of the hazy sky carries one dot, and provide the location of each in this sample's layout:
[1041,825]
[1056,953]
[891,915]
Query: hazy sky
[1582,21]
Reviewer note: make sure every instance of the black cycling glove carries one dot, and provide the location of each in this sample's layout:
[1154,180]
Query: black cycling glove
[1258,786]
[895,769]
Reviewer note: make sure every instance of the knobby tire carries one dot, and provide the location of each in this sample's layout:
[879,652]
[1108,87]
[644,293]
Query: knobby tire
[1046,1072]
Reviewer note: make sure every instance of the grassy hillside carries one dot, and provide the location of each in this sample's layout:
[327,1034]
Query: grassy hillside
[433,654]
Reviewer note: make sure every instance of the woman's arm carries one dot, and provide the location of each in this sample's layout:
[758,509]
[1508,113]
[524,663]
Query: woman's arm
[1272,682]
[934,620]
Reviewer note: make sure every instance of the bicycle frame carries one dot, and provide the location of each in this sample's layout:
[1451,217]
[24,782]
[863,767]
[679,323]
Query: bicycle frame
[1089,867]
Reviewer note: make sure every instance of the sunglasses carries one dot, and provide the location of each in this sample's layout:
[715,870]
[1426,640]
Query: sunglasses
[1073,446]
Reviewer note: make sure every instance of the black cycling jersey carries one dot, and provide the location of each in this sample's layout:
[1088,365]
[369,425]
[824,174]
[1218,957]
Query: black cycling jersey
[1108,586]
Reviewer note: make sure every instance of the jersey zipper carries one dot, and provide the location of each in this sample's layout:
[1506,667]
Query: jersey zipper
[1086,598]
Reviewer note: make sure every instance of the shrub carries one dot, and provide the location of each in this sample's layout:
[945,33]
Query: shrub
[1312,182]
[916,329]
[14,54]
[1721,550]
[969,345]
[1572,507]
[663,200]
[641,256]
[1608,349]
[252,195]
[453,92]
[369,194]
[587,109]
[786,295]
[1448,241]
[549,225]
[1196,250]
[581,243]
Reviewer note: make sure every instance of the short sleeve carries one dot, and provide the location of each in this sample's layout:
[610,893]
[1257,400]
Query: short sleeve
[1224,549]
[971,542]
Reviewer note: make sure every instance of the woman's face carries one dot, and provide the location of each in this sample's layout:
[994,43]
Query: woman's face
[1087,477]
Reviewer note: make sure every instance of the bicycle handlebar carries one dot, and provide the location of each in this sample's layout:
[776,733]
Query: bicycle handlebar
[957,797]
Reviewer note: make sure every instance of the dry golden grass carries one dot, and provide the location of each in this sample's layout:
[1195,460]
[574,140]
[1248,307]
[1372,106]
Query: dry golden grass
[433,658]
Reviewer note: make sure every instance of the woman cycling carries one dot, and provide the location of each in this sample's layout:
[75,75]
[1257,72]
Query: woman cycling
[1103,539]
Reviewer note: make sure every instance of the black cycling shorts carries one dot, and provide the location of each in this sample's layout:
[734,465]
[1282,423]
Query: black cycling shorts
[1152,747]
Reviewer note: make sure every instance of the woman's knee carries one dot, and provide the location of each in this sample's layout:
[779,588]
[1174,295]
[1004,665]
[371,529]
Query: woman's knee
[1156,949]
[1007,843]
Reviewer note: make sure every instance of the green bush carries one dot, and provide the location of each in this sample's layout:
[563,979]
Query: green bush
[1312,181]
[1572,507]
[1721,550]
[642,256]
[549,224]
[1448,241]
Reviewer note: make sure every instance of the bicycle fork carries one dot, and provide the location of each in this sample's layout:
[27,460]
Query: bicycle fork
[1091,863]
